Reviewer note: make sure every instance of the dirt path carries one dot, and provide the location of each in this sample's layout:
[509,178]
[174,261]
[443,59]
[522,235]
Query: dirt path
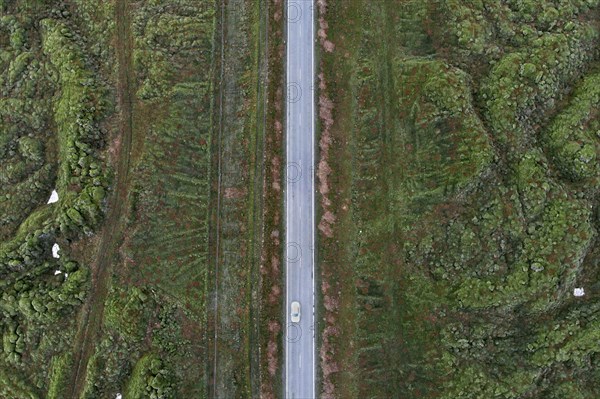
[90,322]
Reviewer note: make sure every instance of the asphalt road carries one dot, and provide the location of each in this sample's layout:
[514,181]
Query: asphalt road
[300,200]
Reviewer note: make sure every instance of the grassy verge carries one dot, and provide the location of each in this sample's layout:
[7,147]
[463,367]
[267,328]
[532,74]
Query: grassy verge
[271,291]
[236,222]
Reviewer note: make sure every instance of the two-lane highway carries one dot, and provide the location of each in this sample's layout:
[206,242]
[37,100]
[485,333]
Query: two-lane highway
[300,200]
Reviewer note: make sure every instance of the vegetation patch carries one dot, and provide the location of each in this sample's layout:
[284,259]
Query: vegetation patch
[464,199]
[111,106]
[51,112]
[572,137]
[149,379]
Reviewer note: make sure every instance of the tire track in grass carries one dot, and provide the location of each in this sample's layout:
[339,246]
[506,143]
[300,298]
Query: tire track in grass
[219,131]
[90,321]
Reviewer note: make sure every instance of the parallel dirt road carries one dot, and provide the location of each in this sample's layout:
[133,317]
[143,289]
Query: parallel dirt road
[300,200]
[90,322]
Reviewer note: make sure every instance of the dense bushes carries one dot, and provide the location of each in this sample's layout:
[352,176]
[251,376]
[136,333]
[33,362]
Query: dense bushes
[510,260]
[11,386]
[532,58]
[553,246]
[513,252]
[23,197]
[150,379]
[79,106]
[26,172]
[37,292]
[512,356]
[489,150]
[523,86]
[96,19]
[138,321]
[51,107]
[44,300]
[127,313]
[573,137]
[484,31]
[77,112]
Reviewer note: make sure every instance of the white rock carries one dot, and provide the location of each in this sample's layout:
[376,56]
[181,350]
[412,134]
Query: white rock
[55,249]
[57,272]
[579,292]
[53,197]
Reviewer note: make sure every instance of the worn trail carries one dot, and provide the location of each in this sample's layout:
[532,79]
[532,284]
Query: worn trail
[90,322]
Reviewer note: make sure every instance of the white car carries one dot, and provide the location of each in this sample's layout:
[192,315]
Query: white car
[295,312]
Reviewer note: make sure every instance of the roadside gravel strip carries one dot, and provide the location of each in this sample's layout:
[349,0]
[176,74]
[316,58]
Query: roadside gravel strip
[300,349]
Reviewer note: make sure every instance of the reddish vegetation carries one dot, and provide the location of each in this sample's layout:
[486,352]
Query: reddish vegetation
[323,171]
[271,255]
[274,329]
[272,359]
[276,163]
[275,294]
[232,192]
[327,352]
[328,218]
[322,33]
[114,149]
[278,12]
